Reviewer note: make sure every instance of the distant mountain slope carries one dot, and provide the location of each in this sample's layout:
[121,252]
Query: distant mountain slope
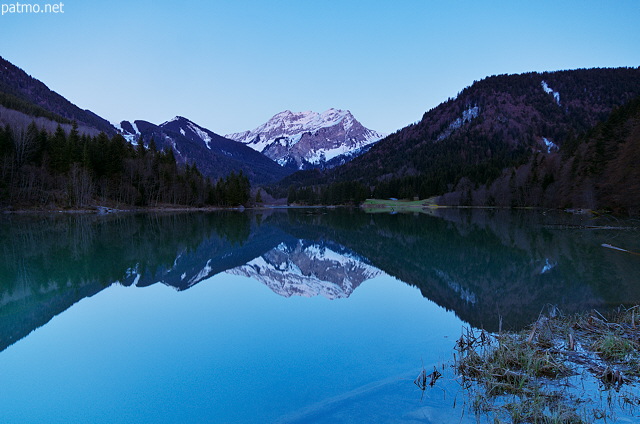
[214,155]
[21,92]
[307,140]
[24,99]
[494,124]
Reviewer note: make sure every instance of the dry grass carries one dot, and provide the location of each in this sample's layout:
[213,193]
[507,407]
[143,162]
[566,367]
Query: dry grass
[524,377]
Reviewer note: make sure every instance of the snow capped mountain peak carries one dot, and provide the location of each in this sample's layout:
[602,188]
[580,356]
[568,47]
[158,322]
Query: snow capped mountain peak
[189,129]
[289,123]
[179,120]
[308,139]
[174,119]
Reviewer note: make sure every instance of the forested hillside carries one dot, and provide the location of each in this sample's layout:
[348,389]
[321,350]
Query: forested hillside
[41,169]
[19,91]
[495,124]
[596,170]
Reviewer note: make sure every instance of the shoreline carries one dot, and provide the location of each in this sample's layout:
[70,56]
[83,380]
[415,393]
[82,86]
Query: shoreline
[373,206]
[106,210]
[551,371]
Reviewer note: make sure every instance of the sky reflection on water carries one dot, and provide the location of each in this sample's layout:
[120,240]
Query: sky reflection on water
[152,318]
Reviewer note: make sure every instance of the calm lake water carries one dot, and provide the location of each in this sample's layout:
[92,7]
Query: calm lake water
[278,316]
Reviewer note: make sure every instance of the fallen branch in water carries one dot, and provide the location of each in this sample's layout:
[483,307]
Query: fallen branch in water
[608,246]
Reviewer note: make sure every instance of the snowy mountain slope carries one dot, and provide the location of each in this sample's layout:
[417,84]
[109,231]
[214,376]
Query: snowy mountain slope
[215,156]
[304,140]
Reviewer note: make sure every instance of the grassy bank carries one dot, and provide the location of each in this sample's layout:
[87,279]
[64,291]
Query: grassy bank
[563,369]
[398,205]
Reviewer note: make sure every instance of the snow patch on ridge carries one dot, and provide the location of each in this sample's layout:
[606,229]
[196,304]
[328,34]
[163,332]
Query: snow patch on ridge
[549,90]
[200,133]
[548,266]
[465,294]
[117,126]
[131,138]
[175,118]
[467,116]
[204,273]
[323,155]
[551,146]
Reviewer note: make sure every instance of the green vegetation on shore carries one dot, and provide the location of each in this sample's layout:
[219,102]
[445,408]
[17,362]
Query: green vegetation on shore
[397,205]
[573,369]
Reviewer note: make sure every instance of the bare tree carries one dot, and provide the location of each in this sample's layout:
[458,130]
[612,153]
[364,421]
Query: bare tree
[24,141]
[81,186]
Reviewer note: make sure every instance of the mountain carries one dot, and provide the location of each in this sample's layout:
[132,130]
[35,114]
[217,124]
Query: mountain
[497,123]
[597,170]
[24,99]
[307,140]
[214,155]
[488,265]
[29,96]
[305,268]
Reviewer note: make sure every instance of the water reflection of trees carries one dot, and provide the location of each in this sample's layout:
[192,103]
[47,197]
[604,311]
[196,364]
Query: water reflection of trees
[50,262]
[73,249]
[487,264]
[483,264]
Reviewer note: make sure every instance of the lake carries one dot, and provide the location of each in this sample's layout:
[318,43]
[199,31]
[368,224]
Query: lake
[283,315]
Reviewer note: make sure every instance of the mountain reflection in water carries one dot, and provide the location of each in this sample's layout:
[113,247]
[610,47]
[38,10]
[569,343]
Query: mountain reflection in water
[309,269]
[486,265]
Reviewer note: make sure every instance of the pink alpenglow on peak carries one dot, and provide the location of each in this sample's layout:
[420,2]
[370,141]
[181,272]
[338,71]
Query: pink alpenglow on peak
[305,140]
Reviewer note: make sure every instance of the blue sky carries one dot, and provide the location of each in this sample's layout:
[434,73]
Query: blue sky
[230,66]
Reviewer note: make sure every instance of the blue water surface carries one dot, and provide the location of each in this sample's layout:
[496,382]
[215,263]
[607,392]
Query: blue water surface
[228,350]
[280,316]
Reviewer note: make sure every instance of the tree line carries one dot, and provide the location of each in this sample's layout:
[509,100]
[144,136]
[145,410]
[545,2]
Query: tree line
[339,193]
[39,169]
